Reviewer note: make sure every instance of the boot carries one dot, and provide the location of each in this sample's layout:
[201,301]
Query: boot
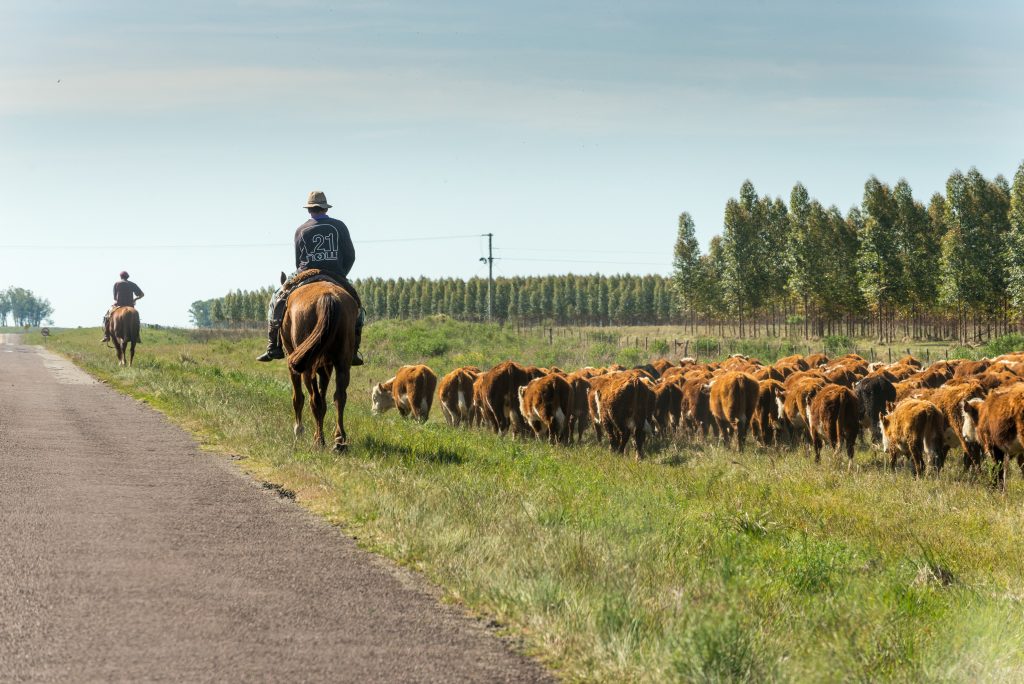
[274,350]
[106,330]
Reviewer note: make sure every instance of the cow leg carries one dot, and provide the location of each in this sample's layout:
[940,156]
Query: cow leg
[639,437]
[341,380]
[298,399]
[1000,467]
[741,432]
[816,443]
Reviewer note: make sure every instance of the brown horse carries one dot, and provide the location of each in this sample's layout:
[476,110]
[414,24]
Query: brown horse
[124,331]
[318,334]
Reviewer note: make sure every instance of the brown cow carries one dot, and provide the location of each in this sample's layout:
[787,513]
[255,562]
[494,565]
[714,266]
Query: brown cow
[997,424]
[668,405]
[579,413]
[411,391]
[915,428]
[765,422]
[833,417]
[814,360]
[966,369]
[798,398]
[733,400]
[949,399]
[545,404]
[695,407]
[455,392]
[499,396]
[661,365]
[624,408]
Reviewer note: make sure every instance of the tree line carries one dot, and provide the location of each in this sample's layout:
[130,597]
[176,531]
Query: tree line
[891,267]
[24,307]
[592,300]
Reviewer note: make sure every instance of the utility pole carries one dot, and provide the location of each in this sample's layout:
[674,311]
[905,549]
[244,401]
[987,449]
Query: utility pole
[490,275]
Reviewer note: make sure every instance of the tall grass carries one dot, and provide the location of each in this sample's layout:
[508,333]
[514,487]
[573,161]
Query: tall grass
[699,564]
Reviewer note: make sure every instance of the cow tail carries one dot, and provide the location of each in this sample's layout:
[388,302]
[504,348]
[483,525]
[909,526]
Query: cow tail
[328,311]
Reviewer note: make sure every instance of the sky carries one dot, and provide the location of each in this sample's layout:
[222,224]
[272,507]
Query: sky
[178,140]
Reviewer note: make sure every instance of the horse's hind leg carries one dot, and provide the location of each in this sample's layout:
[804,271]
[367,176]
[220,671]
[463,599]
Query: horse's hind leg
[131,357]
[318,406]
[341,379]
[298,399]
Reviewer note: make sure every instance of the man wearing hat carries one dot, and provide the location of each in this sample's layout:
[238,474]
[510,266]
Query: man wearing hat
[126,293]
[322,243]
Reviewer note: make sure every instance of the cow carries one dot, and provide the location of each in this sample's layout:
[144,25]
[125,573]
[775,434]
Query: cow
[695,409]
[624,407]
[411,391]
[873,393]
[733,400]
[596,383]
[455,394]
[997,424]
[765,423]
[965,369]
[814,360]
[545,404]
[798,397]
[833,417]
[915,428]
[499,396]
[579,413]
[661,365]
[668,405]
[949,399]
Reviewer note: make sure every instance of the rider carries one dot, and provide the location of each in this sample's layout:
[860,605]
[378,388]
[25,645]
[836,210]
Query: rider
[323,243]
[126,293]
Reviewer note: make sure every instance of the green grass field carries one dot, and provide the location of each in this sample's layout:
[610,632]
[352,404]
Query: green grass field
[699,564]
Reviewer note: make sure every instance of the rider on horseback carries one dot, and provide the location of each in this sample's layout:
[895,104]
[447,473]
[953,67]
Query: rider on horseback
[322,243]
[126,293]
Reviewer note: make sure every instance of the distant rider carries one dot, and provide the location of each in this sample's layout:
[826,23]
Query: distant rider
[323,243]
[126,293]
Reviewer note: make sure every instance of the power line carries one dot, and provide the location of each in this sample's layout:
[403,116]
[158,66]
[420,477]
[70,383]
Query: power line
[588,261]
[228,245]
[573,249]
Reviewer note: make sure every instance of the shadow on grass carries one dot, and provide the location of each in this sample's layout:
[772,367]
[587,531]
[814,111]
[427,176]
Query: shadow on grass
[386,447]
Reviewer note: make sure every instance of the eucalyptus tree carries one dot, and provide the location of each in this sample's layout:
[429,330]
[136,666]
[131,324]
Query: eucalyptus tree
[881,269]
[972,280]
[1015,244]
[685,265]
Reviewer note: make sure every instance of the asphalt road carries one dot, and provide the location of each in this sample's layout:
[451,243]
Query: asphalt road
[127,554]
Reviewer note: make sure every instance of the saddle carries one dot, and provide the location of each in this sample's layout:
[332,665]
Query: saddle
[315,275]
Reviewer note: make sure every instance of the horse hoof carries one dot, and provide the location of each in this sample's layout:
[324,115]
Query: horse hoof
[340,448]
[298,430]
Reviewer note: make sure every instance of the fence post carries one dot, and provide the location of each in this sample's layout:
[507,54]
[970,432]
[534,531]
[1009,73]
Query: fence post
[890,354]
[551,335]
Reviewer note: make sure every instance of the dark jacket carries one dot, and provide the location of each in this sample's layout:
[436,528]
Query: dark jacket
[324,243]
[125,292]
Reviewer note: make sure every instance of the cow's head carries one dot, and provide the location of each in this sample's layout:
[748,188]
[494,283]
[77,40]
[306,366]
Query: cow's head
[381,399]
[970,410]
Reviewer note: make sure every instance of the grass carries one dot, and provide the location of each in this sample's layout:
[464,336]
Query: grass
[698,564]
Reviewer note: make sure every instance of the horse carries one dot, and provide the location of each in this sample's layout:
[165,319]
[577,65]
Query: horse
[124,331]
[318,335]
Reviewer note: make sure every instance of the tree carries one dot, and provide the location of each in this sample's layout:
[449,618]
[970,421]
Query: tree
[881,268]
[685,265]
[1014,249]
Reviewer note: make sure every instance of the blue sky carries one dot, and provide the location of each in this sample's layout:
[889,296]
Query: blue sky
[154,136]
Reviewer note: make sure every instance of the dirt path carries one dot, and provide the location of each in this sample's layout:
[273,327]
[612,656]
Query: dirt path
[128,554]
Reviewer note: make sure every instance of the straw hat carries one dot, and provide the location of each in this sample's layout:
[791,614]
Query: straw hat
[317,199]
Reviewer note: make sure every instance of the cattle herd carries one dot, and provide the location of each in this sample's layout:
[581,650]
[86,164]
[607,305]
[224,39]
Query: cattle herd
[908,410]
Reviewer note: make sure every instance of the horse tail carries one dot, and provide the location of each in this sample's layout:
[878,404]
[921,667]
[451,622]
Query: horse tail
[328,310]
[136,324]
